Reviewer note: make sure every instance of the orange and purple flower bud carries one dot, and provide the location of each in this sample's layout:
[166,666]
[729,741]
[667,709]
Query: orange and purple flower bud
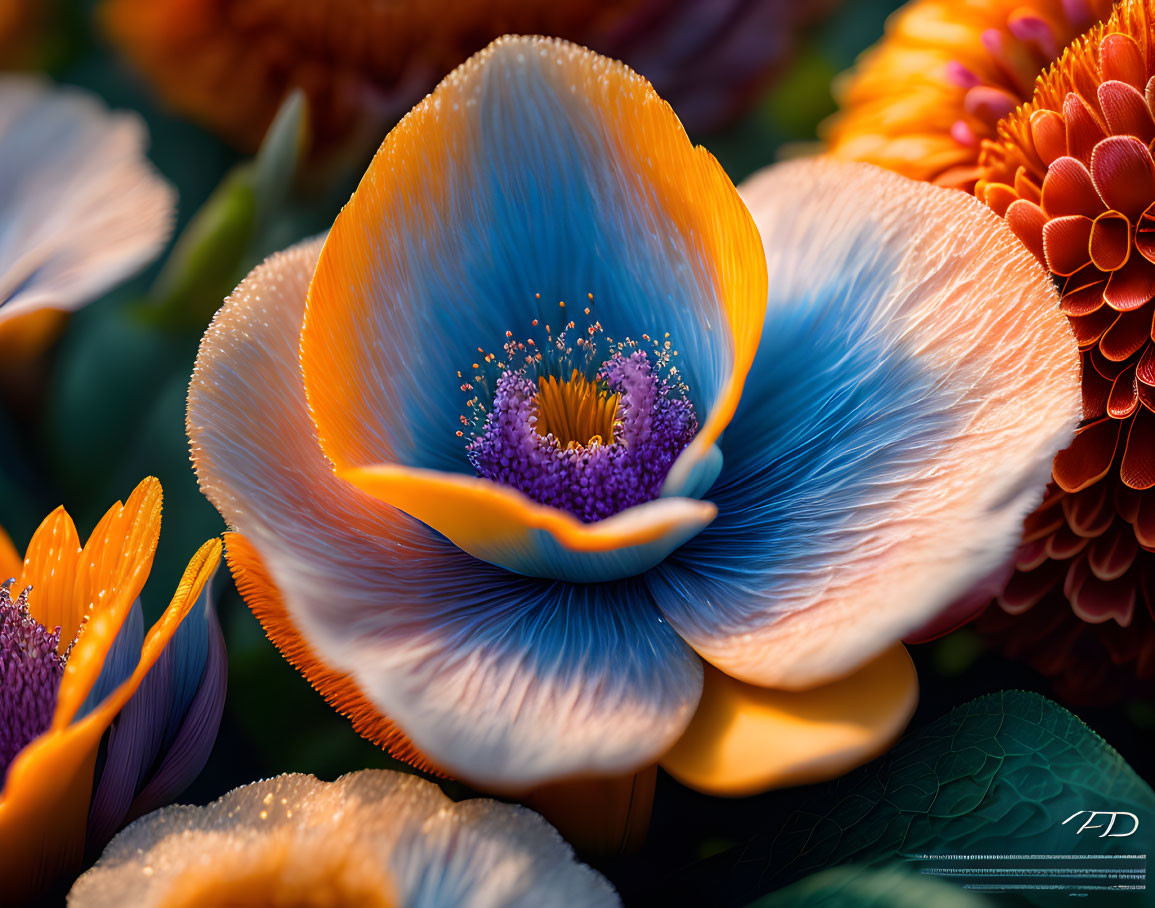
[78,676]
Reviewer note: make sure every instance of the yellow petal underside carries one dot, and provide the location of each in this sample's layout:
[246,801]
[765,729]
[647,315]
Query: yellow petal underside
[45,799]
[496,523]
[746,739]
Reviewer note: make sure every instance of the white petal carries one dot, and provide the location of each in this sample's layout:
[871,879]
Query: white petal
[80,206]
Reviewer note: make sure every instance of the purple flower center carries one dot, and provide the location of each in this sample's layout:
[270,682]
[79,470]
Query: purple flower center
[30,672]
[590,446]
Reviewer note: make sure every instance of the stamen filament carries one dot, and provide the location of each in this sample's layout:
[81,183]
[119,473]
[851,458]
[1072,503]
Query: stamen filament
[577,412]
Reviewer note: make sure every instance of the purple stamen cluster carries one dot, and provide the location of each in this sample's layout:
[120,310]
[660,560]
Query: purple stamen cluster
[591,482]
[30,672]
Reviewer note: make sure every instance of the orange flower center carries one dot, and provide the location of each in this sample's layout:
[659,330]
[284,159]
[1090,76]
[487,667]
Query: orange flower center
[283,872]
[578,413]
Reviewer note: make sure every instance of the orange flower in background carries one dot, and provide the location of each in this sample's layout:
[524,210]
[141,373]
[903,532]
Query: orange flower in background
[229,63]
[923,99]
[73,657]
[1073,174]
[21,25]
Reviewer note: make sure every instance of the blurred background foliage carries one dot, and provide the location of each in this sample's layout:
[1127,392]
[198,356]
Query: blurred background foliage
[105,407]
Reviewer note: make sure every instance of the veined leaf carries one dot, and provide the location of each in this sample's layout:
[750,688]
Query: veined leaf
[1006,776]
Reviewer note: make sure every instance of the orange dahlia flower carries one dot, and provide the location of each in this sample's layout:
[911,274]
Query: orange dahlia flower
[922,100]
[21,29]
[229,63]
[1073,174]
[73,656]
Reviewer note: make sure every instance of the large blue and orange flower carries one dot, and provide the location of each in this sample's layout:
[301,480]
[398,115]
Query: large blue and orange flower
[374,839]
[76,670]
[554,458]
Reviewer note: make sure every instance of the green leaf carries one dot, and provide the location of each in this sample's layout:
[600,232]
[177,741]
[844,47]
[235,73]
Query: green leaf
[209,255]
[277,160]
[219,244]
[894,886]
[997,776]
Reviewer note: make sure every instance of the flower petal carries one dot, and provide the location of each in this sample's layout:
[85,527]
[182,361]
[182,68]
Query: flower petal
[83,208]
[339,690]
[1066,243]
[1124,174]
[50,569]
[10,563]
[196,735]
[44,802]
[111,572]
[537,173]
[747,739]
[504,527]
[898,425]
[371,837]
[1068,189]
[497,678]
[142,738]
[490,853]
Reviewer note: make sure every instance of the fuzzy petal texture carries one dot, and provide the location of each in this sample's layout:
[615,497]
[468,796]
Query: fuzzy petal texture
[80,206]
[897,426]
[500,679]
[538,175]
[373,838]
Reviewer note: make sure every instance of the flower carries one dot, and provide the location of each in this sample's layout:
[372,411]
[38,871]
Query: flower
[21,26]
[923,99]
[82,208]
[402,501]
[229,63]
[75,663]
[1073,175]
[373,838]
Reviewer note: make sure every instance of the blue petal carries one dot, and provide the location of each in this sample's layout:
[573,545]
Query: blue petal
[143,740]
[185,755]
[502,679]
[897,426]
[120,662]
[538,173]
